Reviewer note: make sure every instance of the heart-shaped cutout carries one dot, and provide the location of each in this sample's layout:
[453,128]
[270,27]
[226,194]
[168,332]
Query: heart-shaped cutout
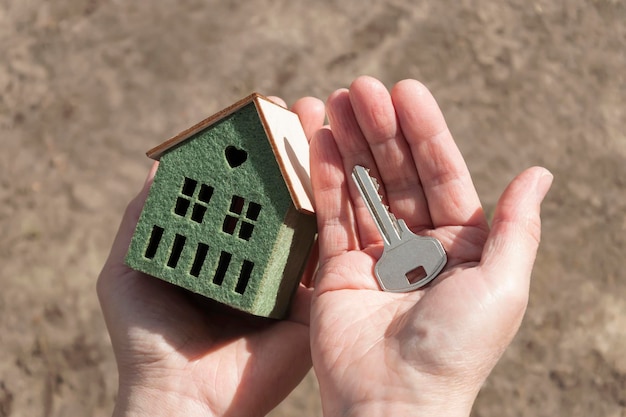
[235,156]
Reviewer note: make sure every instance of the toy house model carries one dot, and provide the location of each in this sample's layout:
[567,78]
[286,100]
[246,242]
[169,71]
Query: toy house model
[229,214]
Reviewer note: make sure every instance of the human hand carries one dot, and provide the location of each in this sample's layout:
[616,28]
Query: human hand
[425,352]
[176,356]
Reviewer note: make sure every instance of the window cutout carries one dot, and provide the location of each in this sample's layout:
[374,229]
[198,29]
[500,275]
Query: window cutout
[198,213]
[415,275]
[205,193]
[189,186]
[230,223]
[244,277]
[236,204]
[245,232]
[253,211]
[222,267]
[182,204]
[177,249]
[198,261]
[153,243]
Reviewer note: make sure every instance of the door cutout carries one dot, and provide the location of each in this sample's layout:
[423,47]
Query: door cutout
[153,243]
[177,250]
[222,267]
[244,277]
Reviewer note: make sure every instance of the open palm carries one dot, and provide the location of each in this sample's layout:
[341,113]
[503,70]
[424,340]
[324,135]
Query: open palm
[376,352]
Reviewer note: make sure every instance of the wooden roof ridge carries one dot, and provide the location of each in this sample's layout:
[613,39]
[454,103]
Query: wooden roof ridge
[156,152]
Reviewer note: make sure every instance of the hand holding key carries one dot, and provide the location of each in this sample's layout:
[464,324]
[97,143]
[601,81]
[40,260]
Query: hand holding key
[426,351]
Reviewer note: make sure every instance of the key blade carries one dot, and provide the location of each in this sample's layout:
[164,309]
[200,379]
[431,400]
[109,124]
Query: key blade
[386,223]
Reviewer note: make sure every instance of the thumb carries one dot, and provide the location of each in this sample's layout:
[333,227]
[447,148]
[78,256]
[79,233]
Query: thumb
[129,222]
[516,228]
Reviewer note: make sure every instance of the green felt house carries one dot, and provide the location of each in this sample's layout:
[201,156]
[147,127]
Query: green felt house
[229,214]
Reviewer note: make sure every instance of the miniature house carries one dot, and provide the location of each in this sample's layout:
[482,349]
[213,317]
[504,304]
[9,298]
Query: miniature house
[229,214]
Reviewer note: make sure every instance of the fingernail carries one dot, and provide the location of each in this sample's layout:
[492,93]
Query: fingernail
[544,182]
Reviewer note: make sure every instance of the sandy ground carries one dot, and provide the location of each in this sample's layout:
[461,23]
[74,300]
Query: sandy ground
[87,86]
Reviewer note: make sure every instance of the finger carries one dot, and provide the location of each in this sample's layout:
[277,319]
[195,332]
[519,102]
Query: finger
[277,100]
[300,311]
[452,199]
[376,116]
[311,112]
[516,228]
[335,218]
[129,221]
[353,150]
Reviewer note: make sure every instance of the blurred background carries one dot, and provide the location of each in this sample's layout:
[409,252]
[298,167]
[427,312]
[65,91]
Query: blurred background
[87,86]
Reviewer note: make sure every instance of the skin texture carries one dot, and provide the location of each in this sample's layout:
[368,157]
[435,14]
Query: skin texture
[421,353]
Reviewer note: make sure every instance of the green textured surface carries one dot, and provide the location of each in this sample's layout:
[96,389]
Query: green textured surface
[281,237]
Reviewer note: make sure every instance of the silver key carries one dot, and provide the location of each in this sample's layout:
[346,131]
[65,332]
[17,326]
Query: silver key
[408,261]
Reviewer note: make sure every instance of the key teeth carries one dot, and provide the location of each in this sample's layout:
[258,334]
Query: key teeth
[376,186]
[380,197]
[394,219]
[392,216]
[375,182]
